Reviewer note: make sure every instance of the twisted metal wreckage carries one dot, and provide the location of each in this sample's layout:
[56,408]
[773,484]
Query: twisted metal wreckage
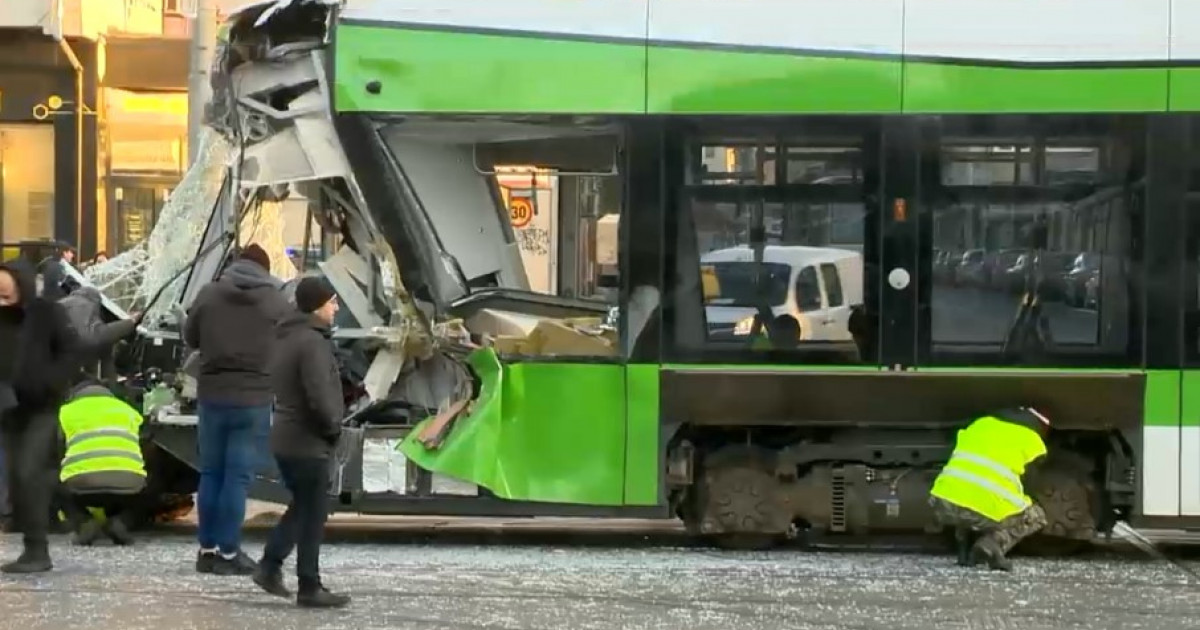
[273,135]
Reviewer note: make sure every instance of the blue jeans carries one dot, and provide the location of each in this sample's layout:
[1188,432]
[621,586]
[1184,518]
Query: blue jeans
[233,444]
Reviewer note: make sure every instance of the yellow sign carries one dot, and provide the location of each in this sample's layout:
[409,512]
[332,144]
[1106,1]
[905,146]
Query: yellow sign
[520,211]
[167,104]
[710,285]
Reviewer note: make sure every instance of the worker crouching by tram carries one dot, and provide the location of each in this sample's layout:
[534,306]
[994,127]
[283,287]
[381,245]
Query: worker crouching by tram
[103,468]
[981,492]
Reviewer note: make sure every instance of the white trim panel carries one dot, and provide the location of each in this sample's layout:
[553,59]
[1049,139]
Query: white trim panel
[1160,470]
[1038,30]
[999,30]
[588,18]
[1185,29]
[863,26]
[1189,471]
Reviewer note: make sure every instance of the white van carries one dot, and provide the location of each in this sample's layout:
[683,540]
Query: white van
[815,285]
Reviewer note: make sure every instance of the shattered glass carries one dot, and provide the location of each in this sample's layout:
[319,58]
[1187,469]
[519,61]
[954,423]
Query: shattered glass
[132,278]
[264,225]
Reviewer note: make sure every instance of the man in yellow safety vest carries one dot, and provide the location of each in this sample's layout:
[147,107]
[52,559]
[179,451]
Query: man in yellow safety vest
[980,490]
[103,466]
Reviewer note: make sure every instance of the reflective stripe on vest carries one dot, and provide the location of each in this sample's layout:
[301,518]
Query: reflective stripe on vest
[102,436]
[71,460]
[95,433]
[1015,500]
[984,472]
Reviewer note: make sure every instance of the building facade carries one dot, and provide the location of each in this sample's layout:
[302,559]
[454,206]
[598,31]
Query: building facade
[91,171]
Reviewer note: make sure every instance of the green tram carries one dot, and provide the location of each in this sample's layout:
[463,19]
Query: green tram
[812,252]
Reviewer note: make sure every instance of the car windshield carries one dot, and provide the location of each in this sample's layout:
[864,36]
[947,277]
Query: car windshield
[732,283]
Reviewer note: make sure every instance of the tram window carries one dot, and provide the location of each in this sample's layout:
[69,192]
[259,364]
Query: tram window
[765,222]
[1043,206]
[746,163]
[537,215]
[1190,290]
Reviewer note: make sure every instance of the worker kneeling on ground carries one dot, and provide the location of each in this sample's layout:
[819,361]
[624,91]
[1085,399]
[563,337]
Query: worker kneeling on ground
[103,467]
[980,491]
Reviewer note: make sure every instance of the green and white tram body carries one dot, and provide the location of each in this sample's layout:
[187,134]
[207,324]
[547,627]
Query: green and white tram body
[832,231]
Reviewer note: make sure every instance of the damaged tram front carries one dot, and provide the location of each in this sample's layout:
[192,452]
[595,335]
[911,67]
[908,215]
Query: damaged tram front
[568,292]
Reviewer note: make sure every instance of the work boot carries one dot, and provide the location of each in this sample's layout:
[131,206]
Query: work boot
[116,531]
[315,595]
[240,564]
[988,551]
[206,561]
[34,559]
[270,580]
[962,543]
[87,533]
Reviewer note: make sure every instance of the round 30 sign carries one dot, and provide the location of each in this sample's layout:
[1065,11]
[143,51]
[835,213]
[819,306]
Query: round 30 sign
[520,212]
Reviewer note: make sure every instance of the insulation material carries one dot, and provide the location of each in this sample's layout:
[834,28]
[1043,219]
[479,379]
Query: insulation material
[446,485]
[384,468]
[264,225]
[583,336]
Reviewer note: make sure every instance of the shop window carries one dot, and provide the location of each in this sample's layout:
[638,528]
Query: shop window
[26,182]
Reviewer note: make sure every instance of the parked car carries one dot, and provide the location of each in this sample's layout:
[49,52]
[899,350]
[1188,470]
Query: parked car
[1084,268]
[1053,267]
[998,264]
[971,269]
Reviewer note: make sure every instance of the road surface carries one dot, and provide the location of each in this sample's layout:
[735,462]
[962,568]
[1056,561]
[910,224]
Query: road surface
[550,588]
[978,316]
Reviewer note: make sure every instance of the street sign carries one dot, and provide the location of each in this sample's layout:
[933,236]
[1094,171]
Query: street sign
[520,211]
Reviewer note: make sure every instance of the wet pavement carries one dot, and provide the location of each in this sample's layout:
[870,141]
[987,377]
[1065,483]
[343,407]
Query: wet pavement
[580,588]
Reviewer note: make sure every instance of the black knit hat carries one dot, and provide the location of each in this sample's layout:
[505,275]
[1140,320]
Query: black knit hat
[312,292]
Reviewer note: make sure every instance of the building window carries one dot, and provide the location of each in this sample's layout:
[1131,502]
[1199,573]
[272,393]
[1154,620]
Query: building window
[26,182]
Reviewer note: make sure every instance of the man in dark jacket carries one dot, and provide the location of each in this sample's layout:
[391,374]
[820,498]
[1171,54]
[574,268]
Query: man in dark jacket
[52,272]
[38,351]
[233,323]
[84,310]
[308,422]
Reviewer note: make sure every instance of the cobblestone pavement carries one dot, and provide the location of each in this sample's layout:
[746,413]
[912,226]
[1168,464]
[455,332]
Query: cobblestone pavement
[153,585]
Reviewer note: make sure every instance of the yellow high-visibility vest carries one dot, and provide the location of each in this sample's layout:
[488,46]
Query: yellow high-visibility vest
[984,472]
[102,436]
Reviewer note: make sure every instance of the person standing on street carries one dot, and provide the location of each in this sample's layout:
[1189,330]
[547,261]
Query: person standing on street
[233,324]
[38,350]
[52,272]
[308,422]
[981,491]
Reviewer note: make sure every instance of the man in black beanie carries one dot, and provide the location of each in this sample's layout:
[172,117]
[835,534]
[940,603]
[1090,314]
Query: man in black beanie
[305,431]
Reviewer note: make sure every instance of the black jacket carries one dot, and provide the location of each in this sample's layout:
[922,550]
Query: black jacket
[233,324]
[53,277]
[84,310]
[308,391]
[45,359]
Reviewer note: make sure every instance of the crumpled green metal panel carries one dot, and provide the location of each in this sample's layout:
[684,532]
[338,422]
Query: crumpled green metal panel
[542,431]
